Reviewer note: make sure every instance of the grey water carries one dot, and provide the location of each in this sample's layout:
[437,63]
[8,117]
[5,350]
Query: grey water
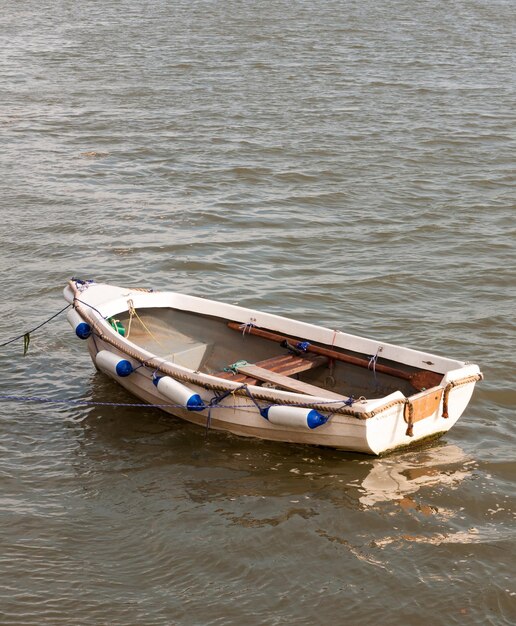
[345,163]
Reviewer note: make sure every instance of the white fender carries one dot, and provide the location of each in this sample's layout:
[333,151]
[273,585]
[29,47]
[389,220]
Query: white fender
[82,328]
[114,364]
[178,393]
[294,416]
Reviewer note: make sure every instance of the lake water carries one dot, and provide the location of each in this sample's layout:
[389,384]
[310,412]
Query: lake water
[345,163]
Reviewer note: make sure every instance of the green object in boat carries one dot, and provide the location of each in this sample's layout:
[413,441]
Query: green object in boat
[117,325]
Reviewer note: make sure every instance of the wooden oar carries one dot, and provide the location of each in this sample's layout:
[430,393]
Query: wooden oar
[423,379]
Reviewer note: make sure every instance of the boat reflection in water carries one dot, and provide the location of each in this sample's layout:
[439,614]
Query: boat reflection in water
[396,478]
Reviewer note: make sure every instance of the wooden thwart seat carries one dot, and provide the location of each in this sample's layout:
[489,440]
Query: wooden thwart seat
[285,382]
[289,364]
[278,370]
[285,364]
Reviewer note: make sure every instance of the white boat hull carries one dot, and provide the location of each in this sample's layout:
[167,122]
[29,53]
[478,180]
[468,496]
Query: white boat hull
[370,426]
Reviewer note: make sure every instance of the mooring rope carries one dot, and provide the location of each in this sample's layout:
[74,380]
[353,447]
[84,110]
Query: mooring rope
[213,404]
[83,402]
[26,335]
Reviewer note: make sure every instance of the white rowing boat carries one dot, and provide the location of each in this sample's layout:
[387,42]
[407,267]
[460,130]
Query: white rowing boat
[261,375]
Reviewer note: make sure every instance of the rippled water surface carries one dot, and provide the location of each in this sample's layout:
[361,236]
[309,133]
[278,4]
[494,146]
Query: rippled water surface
[345,163]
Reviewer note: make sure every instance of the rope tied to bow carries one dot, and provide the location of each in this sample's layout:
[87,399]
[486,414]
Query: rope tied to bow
[26,335]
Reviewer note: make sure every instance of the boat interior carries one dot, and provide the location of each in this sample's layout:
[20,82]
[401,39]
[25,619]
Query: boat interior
[219,347]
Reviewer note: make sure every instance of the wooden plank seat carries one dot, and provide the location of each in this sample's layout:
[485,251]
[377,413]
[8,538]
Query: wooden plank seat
[286,364]
[285,382]
[278,371]
[290,364]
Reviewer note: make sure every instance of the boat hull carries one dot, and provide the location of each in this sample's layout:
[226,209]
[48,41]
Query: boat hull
[238,415]
[373,426]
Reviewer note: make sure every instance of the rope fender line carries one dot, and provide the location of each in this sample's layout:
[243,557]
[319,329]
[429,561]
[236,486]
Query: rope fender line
[199,379]
[446,396]
[408,416]
[213,404]
[457,383]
